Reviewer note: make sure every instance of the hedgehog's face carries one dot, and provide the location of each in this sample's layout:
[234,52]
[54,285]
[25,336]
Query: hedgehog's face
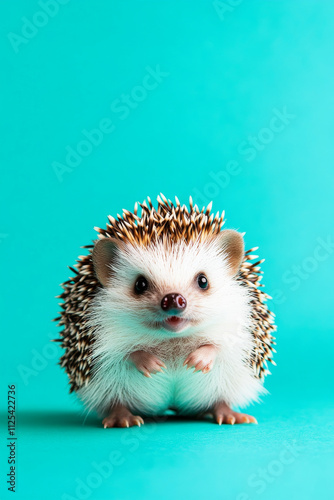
[169,288]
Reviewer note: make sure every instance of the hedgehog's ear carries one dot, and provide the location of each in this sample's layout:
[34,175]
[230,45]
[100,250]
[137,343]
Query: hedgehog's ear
[104,253]
[232,245]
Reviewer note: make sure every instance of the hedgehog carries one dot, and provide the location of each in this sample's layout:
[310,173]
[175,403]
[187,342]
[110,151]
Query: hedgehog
[166,312]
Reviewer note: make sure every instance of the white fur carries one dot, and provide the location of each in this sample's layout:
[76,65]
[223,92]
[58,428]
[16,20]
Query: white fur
[221,316]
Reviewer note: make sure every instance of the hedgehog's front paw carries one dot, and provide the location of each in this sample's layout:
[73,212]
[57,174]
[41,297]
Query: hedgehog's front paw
[146,362]
[202,359]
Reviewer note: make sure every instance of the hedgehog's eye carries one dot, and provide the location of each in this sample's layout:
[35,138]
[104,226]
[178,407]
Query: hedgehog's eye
[141,285]
[202,281]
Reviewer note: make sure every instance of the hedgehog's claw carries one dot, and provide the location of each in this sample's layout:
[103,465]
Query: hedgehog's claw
[138,421]
[146,363]
[223,414]
[120,416]
[202,359]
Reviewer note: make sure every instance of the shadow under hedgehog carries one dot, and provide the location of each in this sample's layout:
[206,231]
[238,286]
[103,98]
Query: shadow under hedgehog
[159,293]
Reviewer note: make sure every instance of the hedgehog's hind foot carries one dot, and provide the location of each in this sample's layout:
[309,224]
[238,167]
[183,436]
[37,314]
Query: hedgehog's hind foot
[120,416]
[223,414]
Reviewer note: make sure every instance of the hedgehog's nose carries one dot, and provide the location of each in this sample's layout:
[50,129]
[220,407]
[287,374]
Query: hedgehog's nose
[173,302]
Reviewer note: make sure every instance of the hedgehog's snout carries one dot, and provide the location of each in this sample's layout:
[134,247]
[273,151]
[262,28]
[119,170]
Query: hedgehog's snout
[173,303]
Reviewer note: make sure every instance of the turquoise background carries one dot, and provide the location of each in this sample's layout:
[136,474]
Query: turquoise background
[228,70]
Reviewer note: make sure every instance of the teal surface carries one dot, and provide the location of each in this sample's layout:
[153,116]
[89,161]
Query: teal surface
[104,103]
